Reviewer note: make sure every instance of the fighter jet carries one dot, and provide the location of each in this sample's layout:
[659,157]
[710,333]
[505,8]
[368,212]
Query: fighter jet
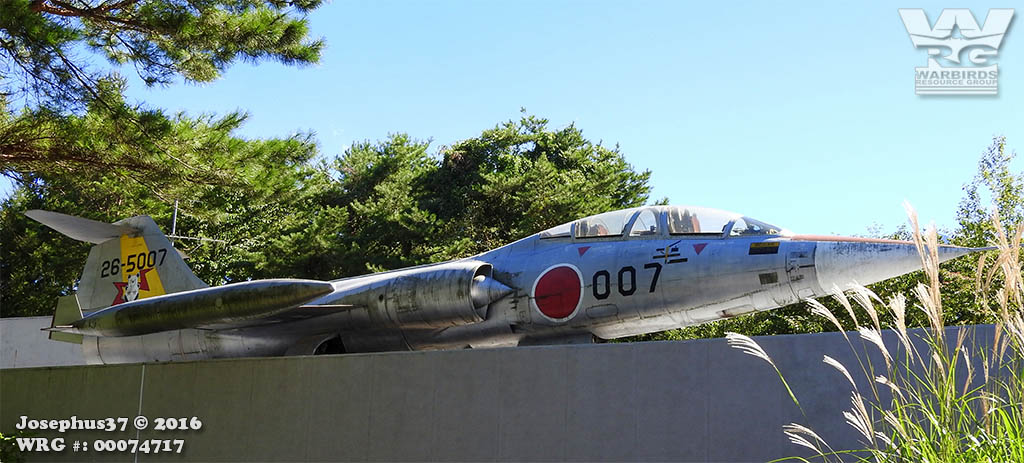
[607,276]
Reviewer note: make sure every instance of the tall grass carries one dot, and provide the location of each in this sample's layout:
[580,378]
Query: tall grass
[934,399]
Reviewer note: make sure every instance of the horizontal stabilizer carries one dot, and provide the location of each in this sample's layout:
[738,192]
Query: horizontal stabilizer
[81,229]
[67,312]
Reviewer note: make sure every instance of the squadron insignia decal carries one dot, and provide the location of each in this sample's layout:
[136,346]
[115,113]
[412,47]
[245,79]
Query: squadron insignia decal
[137,269]
[129,290]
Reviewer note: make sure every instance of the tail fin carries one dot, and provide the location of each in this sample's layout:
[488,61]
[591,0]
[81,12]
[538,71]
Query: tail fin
[132,259]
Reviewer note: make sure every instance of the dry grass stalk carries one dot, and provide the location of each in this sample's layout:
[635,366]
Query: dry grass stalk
[875,337]
[840,297]
[839,366]
[863,297]
[928,416]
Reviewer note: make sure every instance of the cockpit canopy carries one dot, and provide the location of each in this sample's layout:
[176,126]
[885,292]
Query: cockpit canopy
[661,220]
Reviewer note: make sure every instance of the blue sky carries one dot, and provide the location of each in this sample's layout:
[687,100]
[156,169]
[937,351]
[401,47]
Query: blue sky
[800,115]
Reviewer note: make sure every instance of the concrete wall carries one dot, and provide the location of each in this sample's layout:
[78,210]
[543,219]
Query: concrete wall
[23,344]
[657,401]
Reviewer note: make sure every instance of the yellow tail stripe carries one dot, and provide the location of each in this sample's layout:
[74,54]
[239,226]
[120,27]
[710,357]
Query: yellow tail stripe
[136,257]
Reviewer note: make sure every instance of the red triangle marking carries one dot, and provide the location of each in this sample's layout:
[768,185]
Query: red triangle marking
[582,250]
[119,299]
[699,247]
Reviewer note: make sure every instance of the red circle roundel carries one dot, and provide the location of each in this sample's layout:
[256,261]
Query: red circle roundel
[558,291]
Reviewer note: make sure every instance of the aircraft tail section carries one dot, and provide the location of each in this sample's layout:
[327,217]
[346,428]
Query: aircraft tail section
[132,259]
[67,312]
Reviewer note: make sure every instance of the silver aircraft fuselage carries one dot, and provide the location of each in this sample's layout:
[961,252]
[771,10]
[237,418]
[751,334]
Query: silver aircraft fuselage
[616,274]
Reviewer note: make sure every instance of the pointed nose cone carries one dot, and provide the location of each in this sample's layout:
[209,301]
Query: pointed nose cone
[844,262]
[487,290]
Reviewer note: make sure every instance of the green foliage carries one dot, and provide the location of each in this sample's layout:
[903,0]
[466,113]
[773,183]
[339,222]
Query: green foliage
[269,179]
[133,145]
[994,184]
[60,113]
[71,143]
[160,39]
[9,450]
[408,207]
[379,206]
[520,177]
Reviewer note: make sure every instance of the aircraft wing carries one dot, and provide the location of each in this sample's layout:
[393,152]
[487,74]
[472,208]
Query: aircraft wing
[300,313]
[434,296]
[431,296]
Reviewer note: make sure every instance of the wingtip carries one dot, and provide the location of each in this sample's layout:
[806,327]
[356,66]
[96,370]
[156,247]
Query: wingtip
[80,228]
[33,213]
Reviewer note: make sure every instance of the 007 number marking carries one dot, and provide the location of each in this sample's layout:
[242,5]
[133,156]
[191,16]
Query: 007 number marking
[601,283]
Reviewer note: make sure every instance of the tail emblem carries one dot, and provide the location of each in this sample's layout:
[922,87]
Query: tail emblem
[129,291]
[139,276]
